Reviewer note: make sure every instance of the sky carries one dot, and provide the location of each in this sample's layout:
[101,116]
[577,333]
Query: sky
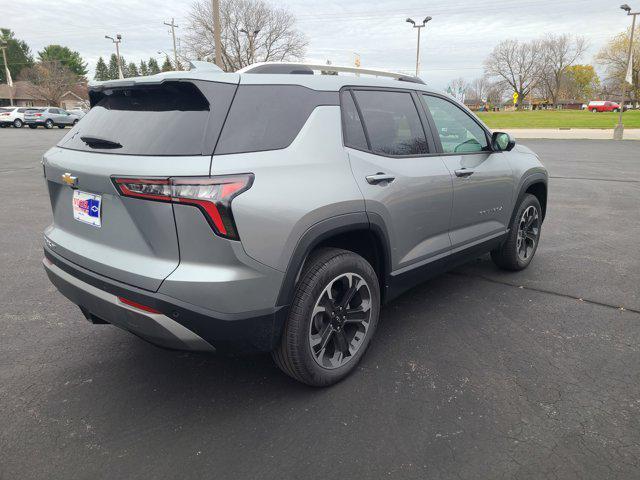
[454,44]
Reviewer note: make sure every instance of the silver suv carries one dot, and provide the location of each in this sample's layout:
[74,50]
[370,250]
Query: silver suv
[276,210]
[49,117]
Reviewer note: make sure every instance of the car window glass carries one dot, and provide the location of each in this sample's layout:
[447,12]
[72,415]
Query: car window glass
[353,132]
[458,132]
[54,111]
[392,122]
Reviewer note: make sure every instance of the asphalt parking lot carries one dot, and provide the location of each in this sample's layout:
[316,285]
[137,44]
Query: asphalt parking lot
[476,374]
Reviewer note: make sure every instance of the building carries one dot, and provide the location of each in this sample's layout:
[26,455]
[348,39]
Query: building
[23,94]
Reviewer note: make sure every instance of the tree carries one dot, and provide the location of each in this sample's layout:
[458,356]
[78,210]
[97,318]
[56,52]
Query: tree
[478,89]
[153,66]
[458,88]
[516,64]
[166,66]
[277,38]
[613,57]
[113,67]
[559,52]
[67,57]
[50,80]
[132,70]
[144,70]
[102,71]
[125,67]
[18,55]
[581,82]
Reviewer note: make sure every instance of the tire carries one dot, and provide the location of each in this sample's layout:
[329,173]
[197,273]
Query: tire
[311,345]
[17,123]
[617,110]
[33,126]
[593,110]
[48,124]
[518,250]
[60,126]
[74,122]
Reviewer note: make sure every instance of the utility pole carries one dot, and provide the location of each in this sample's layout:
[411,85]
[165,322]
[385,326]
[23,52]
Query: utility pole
[419,27]
[252,37]
[215,6]
[618,132]
[3,47]
[173,34]
[117,41]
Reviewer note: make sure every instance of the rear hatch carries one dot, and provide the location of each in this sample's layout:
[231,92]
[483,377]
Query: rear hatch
[141,130]
[33,114]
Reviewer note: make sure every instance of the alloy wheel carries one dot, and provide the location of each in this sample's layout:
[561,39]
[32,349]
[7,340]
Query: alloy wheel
[340,320]
[528,232]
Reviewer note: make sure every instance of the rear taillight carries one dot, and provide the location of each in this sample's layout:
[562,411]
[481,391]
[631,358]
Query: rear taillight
[212,195]
[38,115]
[6,114]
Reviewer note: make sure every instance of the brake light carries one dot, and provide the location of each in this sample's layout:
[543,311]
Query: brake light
[4,114]
[38,115]
[212,195]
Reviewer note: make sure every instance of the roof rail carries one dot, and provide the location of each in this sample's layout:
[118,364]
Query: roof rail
[308,68]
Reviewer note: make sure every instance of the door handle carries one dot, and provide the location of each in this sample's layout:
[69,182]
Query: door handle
[464,172]
[379,178]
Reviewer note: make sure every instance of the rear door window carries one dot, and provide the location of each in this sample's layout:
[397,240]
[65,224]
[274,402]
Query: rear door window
[354,136]
[392,122]
[172,118]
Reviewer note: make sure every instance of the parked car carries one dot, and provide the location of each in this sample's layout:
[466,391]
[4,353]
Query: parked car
[12,116]
[49,117]
[242,212]
[602,106]
[78,112]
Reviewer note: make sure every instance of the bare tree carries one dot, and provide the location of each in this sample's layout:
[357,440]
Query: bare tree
[516,64]
[252,31]
[479,88]
[49,81]
[458,88]
[559,53]
[613,57]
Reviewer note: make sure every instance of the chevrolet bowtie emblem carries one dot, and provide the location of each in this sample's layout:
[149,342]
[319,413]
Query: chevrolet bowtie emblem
[69,179]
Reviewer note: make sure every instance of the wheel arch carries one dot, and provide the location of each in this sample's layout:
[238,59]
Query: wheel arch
[356,232]
[535,184]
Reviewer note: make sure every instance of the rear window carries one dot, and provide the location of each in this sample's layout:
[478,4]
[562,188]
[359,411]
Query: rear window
[269,117]
[173,118]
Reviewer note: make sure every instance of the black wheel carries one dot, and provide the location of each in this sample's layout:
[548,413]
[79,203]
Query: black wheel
[2,125]
[616,110]
[74,122]
[332,318]
[48,124]
[17,123]
[33,126]
[60,126]
[522,241]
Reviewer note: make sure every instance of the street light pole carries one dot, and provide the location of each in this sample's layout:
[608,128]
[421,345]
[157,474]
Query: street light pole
[618,132]
[419,27]
[173,34]
[251,43]
[117,41]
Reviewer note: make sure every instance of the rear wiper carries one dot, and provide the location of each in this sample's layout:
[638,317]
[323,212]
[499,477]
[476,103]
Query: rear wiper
[96,142]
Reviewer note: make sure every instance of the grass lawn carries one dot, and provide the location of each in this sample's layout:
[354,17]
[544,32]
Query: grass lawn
[558,119]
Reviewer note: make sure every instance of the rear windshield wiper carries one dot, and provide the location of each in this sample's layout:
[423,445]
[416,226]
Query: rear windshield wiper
[97,142]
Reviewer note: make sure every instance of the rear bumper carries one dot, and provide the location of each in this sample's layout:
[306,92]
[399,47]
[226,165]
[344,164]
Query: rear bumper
[178,325]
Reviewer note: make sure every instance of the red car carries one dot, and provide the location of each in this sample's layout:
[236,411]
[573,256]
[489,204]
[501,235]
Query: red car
[602,106]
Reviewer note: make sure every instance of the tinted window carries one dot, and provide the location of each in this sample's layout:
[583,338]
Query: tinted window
[269,117]
[458,132]
[167,119]
[353,131]
[55,111]
[392,122]
[22,110]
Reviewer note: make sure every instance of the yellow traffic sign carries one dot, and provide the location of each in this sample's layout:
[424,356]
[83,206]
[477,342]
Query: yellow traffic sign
[515,97]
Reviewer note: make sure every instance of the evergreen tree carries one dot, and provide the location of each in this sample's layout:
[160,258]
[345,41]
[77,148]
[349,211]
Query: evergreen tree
[18,55]
[133,70]
[143,68]
[166,66]
[67,57]
[153,66]
[113,67]
[102,71]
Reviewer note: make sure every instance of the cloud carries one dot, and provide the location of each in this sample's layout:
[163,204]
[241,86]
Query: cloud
[454,44]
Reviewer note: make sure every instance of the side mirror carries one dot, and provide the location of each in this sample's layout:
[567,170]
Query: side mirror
[502,142]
